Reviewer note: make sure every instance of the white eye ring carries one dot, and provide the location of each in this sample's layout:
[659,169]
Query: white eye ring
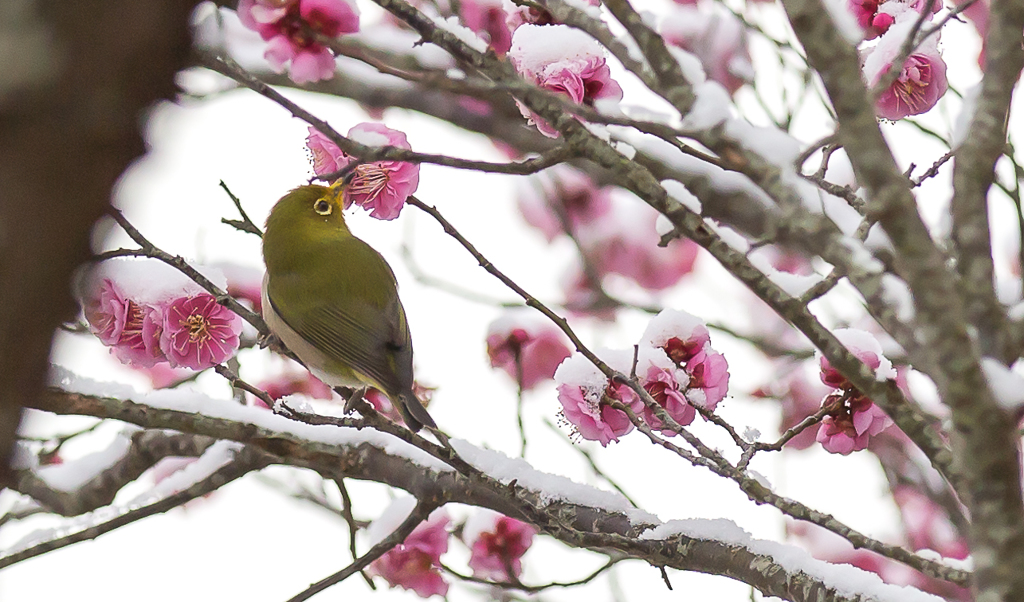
[322,207]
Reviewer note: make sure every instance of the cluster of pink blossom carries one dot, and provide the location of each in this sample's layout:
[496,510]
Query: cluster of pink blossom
[381,187]
[716,37]
[675,365]
[497,544]
[616,233]
[414,564]
[527,346]
[146,322]
[565,61]
[852,418]
[922,78]
[291,26]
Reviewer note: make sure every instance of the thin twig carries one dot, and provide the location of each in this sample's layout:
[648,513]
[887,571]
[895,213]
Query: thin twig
[231,471]
[417,516]
[245,224]
[532,588]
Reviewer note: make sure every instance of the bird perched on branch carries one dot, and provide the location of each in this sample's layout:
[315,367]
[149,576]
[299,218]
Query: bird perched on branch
[333,300]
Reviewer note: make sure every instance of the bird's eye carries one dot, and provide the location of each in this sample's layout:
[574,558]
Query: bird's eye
[322,207]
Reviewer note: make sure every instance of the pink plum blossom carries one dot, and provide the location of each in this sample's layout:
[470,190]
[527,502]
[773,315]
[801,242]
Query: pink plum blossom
[663,386]
[850,423]
[717,38]
[198,332]
[562,60]
[562,193]
[922,78]
[497,544]
[526,347]
[288,25]
[686,343]
[709,378]
[380,187]
[852,418]
[487,17]
[593,418]
[130,328]
[415,563]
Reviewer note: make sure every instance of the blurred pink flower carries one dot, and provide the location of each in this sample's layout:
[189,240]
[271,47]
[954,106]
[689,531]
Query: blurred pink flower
[130,329]
[595,420]
[927,524]
[380,187]
[535,346]
[665,390]
[291,383]
[382,404]
[198,332]
[414,564]
[579,73]
[643,261]
[624,241]
[563,191]
[850,424]
[717,38]
[162,375]
[582,297]
[499,548]
[487,17]
[287,26]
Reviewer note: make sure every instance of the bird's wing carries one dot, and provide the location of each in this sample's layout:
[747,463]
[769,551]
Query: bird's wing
[355,319]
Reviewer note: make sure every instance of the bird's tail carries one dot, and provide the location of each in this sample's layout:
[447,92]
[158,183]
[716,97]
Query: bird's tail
[413,412]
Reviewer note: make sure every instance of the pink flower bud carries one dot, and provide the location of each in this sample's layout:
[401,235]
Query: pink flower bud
[487,17]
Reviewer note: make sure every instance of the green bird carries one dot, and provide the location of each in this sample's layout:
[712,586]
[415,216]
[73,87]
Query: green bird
[333,300]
